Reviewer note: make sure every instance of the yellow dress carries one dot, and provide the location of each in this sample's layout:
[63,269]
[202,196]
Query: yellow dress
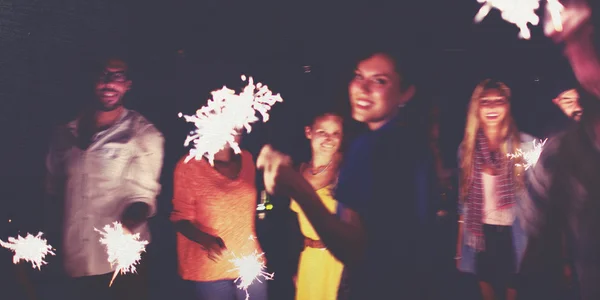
[319,272]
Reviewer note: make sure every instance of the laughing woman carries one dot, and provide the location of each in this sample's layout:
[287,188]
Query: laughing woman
[491,241]
[319,272]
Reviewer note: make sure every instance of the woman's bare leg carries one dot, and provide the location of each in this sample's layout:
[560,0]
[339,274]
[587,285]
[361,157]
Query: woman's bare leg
[487,291]
[511,294]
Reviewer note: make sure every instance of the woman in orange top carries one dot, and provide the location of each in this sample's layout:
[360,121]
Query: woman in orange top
[214,212]
[319,272]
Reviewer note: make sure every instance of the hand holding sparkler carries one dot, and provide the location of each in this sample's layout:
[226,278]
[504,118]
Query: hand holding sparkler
[530,157]
[250,268]
[124,249]
[215,247]
[224,115]
[279,175]
[31,249]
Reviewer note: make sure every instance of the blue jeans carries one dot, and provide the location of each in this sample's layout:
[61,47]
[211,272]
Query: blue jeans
[228,290]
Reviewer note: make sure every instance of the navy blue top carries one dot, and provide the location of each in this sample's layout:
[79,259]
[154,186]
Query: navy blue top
[388,178]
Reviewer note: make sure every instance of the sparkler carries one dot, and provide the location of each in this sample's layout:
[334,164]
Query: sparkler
[530,157]
[521,13]
[250,268]
[218,122]
[124,249]
[31,248]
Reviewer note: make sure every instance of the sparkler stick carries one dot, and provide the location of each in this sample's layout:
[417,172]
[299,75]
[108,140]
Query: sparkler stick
[521,13]
[227,112]
[530,157]
[124,249]
[30,248]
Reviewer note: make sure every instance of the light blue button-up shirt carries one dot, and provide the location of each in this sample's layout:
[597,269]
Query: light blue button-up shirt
[121,166]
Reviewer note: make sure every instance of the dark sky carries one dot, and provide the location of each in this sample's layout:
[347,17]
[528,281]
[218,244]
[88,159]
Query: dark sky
[46,45]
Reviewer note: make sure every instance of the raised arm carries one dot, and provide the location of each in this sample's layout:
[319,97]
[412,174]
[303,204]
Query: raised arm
[534,206]
[344,237]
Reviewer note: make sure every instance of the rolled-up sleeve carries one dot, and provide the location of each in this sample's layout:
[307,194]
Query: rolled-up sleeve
[54,172]
[143,177]
[183,203]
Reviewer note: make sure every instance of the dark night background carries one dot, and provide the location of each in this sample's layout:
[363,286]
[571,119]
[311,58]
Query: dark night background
[179,50]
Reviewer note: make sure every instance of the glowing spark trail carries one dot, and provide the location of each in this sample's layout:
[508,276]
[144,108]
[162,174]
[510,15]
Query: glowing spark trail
[31,249]
[250,268]
[124,249]
[224,115]
[530,157]
[521,13]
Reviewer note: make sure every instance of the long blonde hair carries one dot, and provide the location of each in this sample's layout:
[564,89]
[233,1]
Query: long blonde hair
[508,132]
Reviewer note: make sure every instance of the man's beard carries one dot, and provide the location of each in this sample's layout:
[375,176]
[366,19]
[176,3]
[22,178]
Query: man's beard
[106,107]
[110,107]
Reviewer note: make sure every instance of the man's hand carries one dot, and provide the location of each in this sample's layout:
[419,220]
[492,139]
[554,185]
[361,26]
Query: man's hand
[279,174]
[134,215]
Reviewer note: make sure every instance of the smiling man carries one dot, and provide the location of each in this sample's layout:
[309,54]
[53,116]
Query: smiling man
[102,168]
[564,182]
[568,102]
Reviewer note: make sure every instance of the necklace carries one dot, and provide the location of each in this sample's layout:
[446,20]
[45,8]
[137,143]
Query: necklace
[319,172]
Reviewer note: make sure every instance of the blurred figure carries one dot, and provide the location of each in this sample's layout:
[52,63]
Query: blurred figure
[386,186]
[319,272]
[102,168]
[568,102]
[214,210]
[564,183]
[491,241]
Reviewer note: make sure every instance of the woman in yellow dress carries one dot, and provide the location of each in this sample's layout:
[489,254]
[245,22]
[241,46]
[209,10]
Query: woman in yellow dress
[319,272]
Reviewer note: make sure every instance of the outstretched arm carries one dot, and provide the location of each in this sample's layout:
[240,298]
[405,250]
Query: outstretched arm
[344,237]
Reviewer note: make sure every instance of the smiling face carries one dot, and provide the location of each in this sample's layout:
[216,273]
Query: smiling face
[493,107]
[111,85]
[376,91]
[325,134]
[568,102]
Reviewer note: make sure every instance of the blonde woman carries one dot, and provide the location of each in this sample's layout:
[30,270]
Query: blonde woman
[491,241]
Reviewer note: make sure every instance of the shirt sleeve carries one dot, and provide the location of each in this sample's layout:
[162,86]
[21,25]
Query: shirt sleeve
[353,188]
[54,172]
[143,176]
[534,206]
[53,185]
[183,205]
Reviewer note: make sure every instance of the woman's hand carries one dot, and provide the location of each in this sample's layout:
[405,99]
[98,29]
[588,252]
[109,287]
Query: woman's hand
[214,247]
[278,171]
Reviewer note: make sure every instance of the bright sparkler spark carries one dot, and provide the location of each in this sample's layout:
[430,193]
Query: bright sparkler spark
[30,248]
[224,115]
[530,157]
[124,249]
[250,268]
[521,13]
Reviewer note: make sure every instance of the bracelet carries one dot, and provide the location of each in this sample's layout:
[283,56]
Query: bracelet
[457,257]
[461,221]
